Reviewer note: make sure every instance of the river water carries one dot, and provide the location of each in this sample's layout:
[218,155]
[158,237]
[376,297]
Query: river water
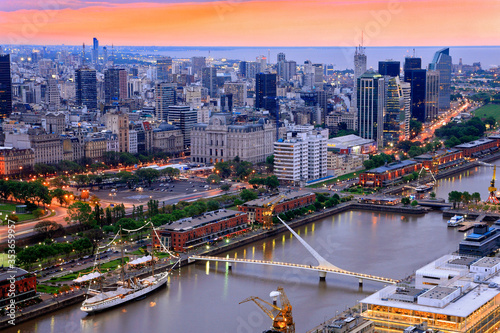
[204,297]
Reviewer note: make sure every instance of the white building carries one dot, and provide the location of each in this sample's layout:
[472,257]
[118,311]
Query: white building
[132,141]
[302,156]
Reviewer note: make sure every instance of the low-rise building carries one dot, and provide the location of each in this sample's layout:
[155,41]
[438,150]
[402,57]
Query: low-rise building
[24,285]
[168,138]
[449,295]
[14,161]
[341,164]
[388,174]
[194,231]
[290,201]
[483,240]
[442,159]
[477,148]
[95,148]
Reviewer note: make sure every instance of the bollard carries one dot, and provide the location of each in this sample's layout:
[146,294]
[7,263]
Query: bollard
[322,276]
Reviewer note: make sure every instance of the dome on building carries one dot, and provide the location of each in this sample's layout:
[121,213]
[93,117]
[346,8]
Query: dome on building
[166,127]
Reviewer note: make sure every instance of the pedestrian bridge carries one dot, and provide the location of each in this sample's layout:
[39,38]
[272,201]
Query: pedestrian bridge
[323,266]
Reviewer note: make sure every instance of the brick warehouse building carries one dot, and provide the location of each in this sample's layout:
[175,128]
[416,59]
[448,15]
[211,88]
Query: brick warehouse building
[292,200]
[25,285]
[389,174]
[441,159]
[479,147]
[198,230]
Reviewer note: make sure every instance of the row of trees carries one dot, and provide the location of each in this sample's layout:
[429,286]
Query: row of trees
[31,192]
[465,198]
[455,133]
[235,168]
[376,161]
[39,252]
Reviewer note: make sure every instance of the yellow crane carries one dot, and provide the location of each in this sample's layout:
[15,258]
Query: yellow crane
[267,213]
[492,189]
[281,316]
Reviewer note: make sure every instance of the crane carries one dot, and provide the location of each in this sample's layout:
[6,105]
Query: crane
[492,189]
[267,213]
[281,316]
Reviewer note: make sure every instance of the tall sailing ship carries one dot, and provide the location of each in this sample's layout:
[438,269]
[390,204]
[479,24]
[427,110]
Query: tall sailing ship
[126,289]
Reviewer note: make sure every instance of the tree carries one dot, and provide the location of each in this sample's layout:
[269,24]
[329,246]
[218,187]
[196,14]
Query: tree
[37,213]
[476,197]
[433,195]
[80,212]
[147,174]
[415,128]
[213,179]
[272,182]
[405,201]
[61,195]
[223,169]
[171,173]
[48,228]
[270,163]
[247,195]
[225,187]
[466,198]
[414,203]
[454,196]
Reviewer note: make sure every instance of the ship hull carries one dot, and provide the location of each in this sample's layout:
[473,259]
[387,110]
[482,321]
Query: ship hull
[108,304]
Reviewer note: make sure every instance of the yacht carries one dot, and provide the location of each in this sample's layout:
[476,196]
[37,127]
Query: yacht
[455,221]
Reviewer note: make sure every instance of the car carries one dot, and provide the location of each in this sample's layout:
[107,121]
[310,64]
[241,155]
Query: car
[195,190]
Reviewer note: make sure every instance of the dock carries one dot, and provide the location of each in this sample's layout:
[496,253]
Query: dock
[469,225]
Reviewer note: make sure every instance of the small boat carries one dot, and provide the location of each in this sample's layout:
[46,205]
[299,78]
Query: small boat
[423,188]
[455,221]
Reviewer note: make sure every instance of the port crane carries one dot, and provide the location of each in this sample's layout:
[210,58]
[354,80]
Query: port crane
[282,315]
[267,213]
[492,189]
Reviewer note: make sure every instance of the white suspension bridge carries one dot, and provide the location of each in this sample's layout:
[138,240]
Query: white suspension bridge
[322,268]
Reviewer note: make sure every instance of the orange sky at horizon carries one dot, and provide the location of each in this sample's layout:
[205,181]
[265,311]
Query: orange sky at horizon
[262,23]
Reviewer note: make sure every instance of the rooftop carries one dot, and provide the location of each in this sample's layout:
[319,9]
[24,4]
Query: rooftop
[393,166]
[288,196]
[6,273]
[348,141]
[438,292]
[487,262]
[197,221]
[473,144]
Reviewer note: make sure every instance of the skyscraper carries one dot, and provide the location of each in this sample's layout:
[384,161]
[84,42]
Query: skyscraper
[417,79]
[265,92]
[371,100]
[281,57]
[105,55]
[432,95]
[442,63]
[412,63]
[5,87]
[115,85]
[165,96]
[242,66]
[209,80]
[53,96]
[394,105]
[359,69]
[389,68]
[198,63]
[95,52]
[164,69]
[183,117]
[86,87]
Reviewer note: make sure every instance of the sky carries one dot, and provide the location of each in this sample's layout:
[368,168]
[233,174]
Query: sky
[251,22]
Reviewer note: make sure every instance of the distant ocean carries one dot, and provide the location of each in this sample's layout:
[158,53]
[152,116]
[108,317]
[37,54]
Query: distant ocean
[341,57]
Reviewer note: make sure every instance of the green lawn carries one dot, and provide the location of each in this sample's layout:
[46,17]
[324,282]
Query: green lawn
[340,178]
[112,265]
[8,208]
[47,289]
[489,110]
[4,259]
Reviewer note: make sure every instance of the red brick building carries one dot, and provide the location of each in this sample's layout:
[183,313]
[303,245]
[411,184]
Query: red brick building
[441,159]
[25,285]
[195,231]
[292,200]
[479,147]
[388,174]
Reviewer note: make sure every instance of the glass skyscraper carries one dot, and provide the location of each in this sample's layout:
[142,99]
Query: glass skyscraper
[5,87]
[442,63]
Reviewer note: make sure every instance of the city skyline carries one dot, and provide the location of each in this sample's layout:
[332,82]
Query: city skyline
[232,23]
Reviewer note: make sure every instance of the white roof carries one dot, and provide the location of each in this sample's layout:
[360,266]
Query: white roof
[141,260]
[87,277]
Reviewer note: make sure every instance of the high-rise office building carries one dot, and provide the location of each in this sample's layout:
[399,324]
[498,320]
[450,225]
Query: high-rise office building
[389,68]
[198,63]
[442,63]
[242,67]
[209,80]
[432,95]
[105,55]
[359,69]
[238,90]
[95,52]
[164,69]
[412,63]
[53,96]
[183,117]
[165,96]
[86,87]
[406,112]
[417,79]
[5,87]
[371,101]
[252,68]
[115,85]
[287,69]
[265,92]
[394,105]
[281,57]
